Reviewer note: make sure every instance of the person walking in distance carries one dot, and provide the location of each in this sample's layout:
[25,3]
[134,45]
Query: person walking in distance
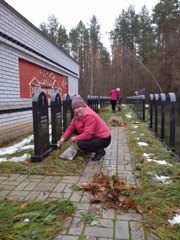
[93,135]
[114,95]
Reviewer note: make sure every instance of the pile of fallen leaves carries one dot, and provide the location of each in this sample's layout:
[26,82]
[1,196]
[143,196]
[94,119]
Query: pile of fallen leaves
[112,193]
[115,123]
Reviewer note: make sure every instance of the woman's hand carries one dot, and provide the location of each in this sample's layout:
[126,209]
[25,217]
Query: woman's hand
[60,142]
[73,139]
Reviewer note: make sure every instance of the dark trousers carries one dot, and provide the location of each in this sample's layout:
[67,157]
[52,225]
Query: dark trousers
[94,144]
[113,104]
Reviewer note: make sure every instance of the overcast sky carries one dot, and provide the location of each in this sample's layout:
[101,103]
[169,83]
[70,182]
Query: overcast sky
[70,12]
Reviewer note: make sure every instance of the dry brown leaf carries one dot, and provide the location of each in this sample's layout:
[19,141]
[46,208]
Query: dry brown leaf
[122,198]
[129,204]
[94,200]
[121,184]
[96,210]
[78,224]
[139,208]
[24,205]
[115,122]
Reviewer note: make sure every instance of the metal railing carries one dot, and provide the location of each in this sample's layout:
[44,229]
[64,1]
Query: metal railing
[137,103]
[164,117]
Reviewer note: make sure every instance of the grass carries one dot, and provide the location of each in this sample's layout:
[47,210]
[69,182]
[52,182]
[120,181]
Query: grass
[74,187]
[51,165]
[88,217]
[33,220]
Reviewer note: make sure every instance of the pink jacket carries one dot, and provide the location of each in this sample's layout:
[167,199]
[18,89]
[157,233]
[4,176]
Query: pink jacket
[89,125]
[114,94]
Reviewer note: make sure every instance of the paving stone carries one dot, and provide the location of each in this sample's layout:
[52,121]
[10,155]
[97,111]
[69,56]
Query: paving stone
[6,187]
[70,179]
[137,231]
[34,180]
[21,178]
[19,194]
[108,213]
[10,183]
[35,177]
[122,230]
[66,195]
[13,177]
[42,196]
[43,188]
[31,185]
[128,216]
[66,226]
[84,206]
[76,227]
[56,179]
[59,187]
[68,188]
[128,167]
[32,196]
[47,179]
[93,231]
[57,195]
[62,237]
[4,193]
[76,196]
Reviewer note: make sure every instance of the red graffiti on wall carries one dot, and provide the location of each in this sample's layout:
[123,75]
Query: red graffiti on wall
[34,78]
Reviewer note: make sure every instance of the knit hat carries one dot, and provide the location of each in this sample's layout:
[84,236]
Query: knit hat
[78,102]
[118,89]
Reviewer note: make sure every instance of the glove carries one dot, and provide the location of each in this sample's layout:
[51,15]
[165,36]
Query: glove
[59,143]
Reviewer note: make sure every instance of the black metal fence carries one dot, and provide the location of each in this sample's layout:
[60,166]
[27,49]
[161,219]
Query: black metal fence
[137,103]
[96,102]
[164,117]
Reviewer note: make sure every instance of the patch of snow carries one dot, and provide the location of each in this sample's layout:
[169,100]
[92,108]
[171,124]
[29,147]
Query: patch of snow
[16,159]
[142,144]
[161,162]
[128,115]
[147,155]
[15,147]
[134,126]
[175,220]
[162,179]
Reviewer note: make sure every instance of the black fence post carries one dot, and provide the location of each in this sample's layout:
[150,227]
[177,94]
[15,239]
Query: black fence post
[156,99]
[151,103]
[96,104]
[143,107]
[90,101]
[163,102]
[172,98]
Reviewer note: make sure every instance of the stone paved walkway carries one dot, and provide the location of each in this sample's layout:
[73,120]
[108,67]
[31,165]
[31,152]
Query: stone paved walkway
[127,225]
